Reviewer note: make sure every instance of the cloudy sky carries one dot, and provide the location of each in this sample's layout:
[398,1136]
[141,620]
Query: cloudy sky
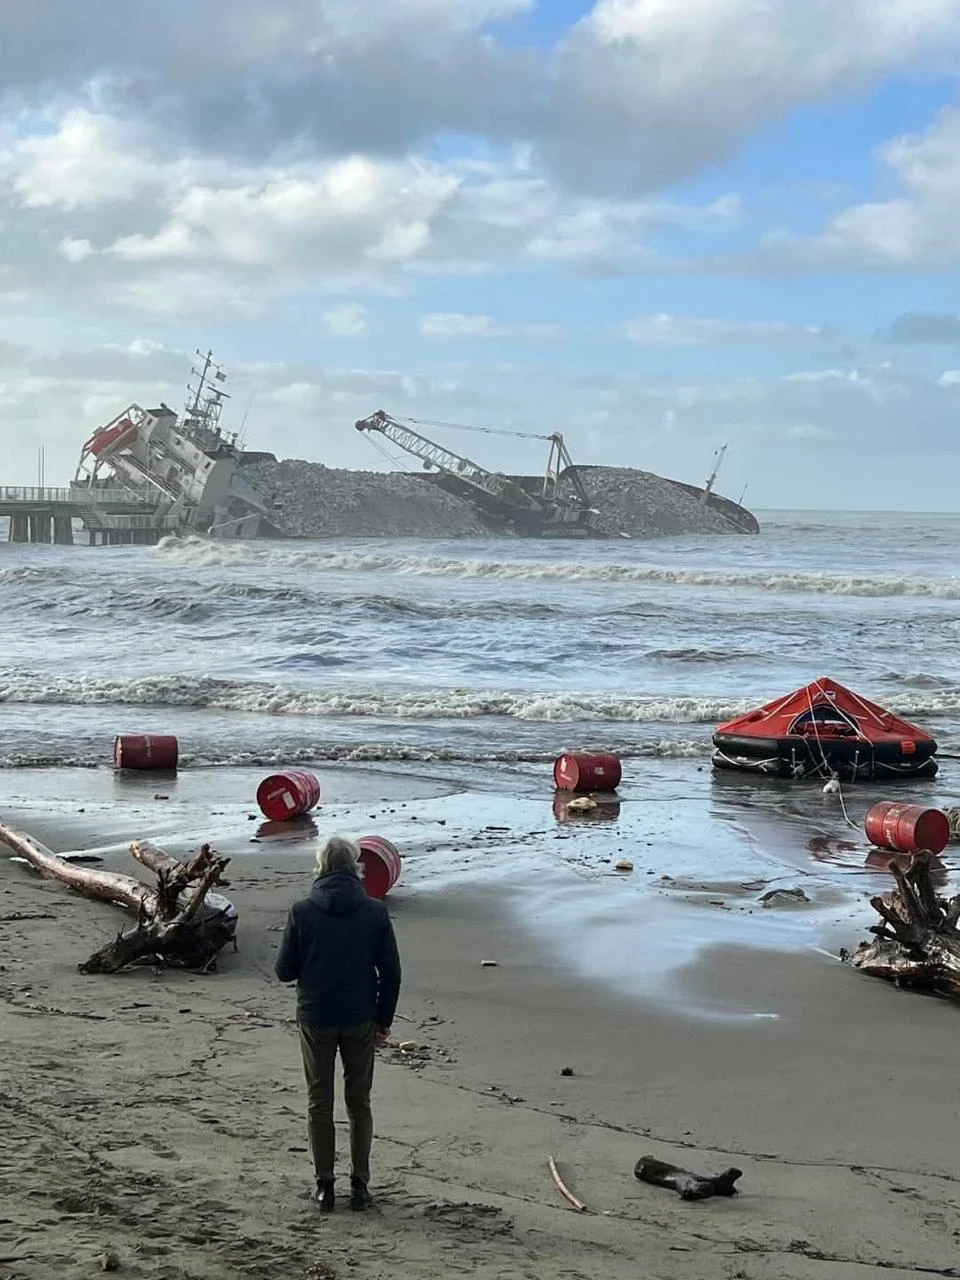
[656,225]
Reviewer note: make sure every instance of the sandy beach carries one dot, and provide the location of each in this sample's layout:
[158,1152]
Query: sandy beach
[156,1120]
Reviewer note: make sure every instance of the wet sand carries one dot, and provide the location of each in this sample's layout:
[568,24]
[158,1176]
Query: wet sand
[159,1117]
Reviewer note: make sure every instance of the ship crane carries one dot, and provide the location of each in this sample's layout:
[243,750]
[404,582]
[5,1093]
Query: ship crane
[545,509]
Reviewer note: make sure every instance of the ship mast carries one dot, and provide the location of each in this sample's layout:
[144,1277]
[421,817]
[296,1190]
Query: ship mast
[205,402]
[194,409]
[717,460]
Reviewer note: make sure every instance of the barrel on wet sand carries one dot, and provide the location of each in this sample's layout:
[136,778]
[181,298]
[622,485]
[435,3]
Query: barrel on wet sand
[580,772]
[908,828]
[381,864]
[288,794]
[146,751]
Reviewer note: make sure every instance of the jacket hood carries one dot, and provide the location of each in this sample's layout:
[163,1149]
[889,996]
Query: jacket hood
[339,894]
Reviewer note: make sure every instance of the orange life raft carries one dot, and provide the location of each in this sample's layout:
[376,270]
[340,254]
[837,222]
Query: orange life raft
[822,730]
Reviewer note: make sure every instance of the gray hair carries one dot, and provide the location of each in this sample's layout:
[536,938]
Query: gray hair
[339,856]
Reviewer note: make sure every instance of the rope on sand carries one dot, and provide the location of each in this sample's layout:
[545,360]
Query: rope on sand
[564,1191]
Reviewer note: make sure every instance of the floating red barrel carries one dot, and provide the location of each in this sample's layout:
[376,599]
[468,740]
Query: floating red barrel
[908,828]
[580,772]
[288,794]
[146,751]
[381,863]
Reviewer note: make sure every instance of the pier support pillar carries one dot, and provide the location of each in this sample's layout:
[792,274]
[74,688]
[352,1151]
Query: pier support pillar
[19,529]
[63,531]
[41,527]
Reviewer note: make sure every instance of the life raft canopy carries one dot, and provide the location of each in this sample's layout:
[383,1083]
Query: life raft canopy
[825,730]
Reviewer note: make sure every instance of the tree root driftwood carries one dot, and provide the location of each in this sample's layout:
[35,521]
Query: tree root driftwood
[917,943]
[180,922]
[688,1186]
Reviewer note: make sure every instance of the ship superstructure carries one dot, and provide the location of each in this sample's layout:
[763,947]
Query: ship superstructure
[182,473]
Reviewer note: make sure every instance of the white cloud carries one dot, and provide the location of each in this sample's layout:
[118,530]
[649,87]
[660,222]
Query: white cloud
[689,331]
[75,250]
[636,94]
[346,321]
[915,230]
[352,208]
[448,326]
[249,236]
[649,90]
[86,160]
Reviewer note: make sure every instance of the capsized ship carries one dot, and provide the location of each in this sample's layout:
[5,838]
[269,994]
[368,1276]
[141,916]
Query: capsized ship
[148,472]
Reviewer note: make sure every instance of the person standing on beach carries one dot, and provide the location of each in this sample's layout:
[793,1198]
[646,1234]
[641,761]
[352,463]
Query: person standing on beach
[340,949]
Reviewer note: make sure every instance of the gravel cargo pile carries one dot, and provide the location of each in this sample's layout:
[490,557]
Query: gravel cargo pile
[325,502]
[320,502]
[643,505]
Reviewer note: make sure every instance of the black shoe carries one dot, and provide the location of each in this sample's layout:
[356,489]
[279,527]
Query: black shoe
[360,1197]
[325,1197]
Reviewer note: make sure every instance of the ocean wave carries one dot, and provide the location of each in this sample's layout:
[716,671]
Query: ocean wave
[706,656]
[346,753]
[9,577]
[197,602]
[250,696]
[919,680]
[198,552]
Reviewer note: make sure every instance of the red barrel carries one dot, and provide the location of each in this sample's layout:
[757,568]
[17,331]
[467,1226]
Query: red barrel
[574,772]
[145,751]
[907,828]
[288,794]
[381,863]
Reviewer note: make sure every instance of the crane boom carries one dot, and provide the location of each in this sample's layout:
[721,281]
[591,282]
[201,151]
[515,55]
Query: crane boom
[529,510]
[495,486]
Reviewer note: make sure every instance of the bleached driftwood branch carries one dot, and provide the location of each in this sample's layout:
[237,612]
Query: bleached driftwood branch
[180,921]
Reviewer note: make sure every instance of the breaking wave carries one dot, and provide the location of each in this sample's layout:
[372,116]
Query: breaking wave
[250,696]
[346,753]
[197,552]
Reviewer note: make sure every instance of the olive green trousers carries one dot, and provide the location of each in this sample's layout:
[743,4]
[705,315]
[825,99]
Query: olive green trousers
[357,1047]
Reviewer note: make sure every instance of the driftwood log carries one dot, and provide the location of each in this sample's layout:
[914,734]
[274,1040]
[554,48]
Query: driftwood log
[180,921]
[689,1186]
[917,943]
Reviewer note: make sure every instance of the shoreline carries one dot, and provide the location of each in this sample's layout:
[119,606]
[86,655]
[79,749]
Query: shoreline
[703,854]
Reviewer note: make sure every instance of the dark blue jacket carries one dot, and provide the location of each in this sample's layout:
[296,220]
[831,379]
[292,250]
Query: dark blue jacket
[339,947]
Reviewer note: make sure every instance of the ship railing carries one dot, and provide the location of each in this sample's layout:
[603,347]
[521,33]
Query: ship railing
[83,493]
[32,493]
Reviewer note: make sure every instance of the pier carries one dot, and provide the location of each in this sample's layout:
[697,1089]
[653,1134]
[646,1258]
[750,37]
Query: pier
[109,517]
